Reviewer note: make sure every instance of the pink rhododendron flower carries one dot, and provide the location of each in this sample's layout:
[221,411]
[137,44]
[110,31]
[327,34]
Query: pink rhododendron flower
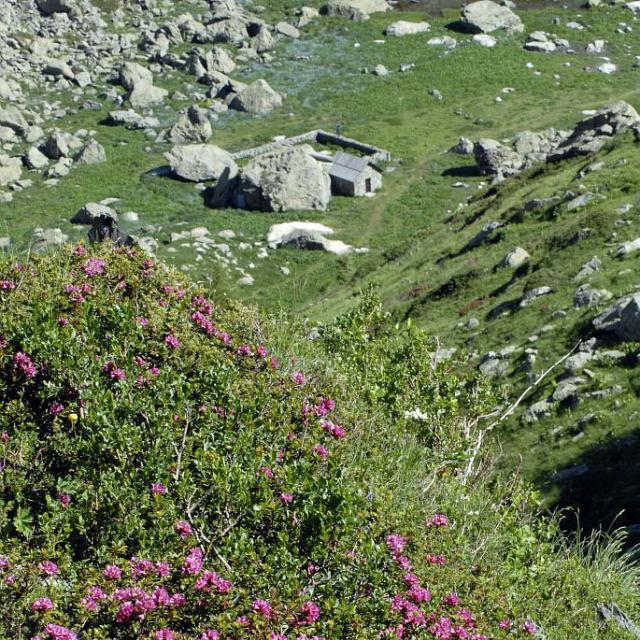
[22,362]
[266,472]
[62,321]
[172,342]
[163,569]
[504,624]
[437,520]
[261,608]
[320,451]
[183,529]
[113,372]
[4,563]
[41,604]
[435,559]
[57,632]
[94,267]
[210,634]
[395,543]
[286,498]
[309,613]
[277,636]
[56,409]
[141,321]
[210,580]
[530,627]
[298,378]
[157,488]
[163,634]
[193,562]
[79,250]
[261,351]
[64,499]
[451,600]
[335,430]
[112,572]
[49,568]
[244,350]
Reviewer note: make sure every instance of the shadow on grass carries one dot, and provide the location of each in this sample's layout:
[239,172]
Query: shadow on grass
[601,488]
[466,171]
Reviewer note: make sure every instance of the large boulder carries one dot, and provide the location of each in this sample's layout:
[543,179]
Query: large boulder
[258,98]
[192,126]
[12,117]
[49,7]
[622,319]
[306,235]
[91,153]
[404,28]
[145,94]
[93,211]
[591,133]
[200,162]
[495,158]
[132,73]
[353,9]
[283,180]
[485,16]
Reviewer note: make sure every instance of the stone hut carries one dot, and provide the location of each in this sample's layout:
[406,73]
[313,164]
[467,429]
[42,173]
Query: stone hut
[353,176]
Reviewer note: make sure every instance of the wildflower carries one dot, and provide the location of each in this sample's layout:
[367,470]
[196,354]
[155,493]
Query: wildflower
[277,636]
[183,529]
[332,429]
[113,372]
[49,568]
[94,267]
[157,488]
[435,559]
[320,451]
[261,351]
[57,632]
[64,499]
[437,520]
[141,567]
[310,613]
[79,251]
[202,305]
[163,569]
[266,472]
[172,342]
[193,562]
[211,580]
[466,617]
[203,322]
[504,624]
[298,378]
[112,572]
[396,543]
[286,498]
[273,363]
[141,321]
[10,579]
[41,604]
[56,409]
[4,563]
[4,437]
[163,634]
[4,343]
[530,627]
[62,321]
[24,363]
[244,350]
[311,569]
[402,562]
[262,608]
[210,634]
[7,285]
[411,580]
[452,600]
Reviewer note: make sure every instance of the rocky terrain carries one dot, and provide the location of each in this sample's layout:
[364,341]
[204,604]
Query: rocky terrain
[507,221]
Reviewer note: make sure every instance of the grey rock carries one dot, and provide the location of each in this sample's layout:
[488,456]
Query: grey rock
[132,120]
[49,7]
[585,296]
[91,153]
[286,29]
[628,247]
[485,16]
[484,233]
[35,159]
[538,410]
[145,95]
[495,158]
[283,180]
[622,319]
[533,294]
[463,147]
[92,211]
[588,269]
[258,98]
[193,126]
[515,258]
[404,28]
[12,117]
[201,162]
[46,238]
[132,74]
[577,361]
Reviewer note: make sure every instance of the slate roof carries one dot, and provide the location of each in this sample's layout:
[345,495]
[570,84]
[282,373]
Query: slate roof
[347,167]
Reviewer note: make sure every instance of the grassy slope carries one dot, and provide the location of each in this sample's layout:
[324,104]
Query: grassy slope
[409,226]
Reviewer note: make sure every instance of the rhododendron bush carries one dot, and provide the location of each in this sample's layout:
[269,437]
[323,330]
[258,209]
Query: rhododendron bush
[164,476]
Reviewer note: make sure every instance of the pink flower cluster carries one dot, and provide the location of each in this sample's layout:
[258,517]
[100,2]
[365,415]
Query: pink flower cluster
[49,568]
[41,604]
[76,294]
[183,529]
[172,342]
[210,581]
[23,363]
[335,430]
[193,562]
[57,632]
[437,520]
[135,602]
[112,372]
[202,322]
[7,285]
[94,267]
